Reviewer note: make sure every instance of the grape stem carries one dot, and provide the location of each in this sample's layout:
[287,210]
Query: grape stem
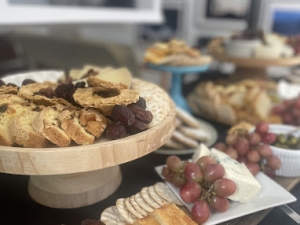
[206,194]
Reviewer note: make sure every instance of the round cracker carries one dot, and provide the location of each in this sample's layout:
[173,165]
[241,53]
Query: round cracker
[137,206]
[161,201]
[145,195]
[165,192]
[131,209]
[187,118]
[142,203]
[185,140]
[111,216]
[124,212]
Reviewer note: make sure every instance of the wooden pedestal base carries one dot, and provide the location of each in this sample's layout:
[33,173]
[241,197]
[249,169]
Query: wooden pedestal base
[75,190]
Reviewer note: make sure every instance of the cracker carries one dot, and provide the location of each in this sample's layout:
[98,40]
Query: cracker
[111,216]
[194,133]
[131,209]
[187,118]
[173,144]
[146,196]
[185,140]
[124,212]
[165,192]
[158,199]
[142,203]
[137,206]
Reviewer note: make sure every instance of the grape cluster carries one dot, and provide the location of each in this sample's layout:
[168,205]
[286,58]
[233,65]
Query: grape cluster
[130,119]
[289,111]
[201,183]
[252,149]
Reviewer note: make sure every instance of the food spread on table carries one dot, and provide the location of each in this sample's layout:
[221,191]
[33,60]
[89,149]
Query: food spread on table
[92,103]
[252,44]
[174,53]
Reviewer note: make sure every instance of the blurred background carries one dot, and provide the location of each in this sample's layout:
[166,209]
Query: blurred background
[40,34]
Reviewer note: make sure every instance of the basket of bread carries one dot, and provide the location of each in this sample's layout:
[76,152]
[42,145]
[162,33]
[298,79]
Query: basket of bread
[174,53]
[88,105]
[231,102]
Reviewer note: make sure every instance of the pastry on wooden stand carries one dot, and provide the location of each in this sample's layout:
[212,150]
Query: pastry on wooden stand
[77,175]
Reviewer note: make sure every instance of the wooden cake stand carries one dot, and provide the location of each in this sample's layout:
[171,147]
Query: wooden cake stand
[255,67]
[78,176]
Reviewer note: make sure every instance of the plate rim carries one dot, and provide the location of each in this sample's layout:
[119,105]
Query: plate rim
[165,151]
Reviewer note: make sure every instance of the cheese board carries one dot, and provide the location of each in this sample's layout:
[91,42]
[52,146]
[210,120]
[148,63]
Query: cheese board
[80,175]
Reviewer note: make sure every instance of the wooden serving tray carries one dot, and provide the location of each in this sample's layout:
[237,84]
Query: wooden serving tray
[77,176]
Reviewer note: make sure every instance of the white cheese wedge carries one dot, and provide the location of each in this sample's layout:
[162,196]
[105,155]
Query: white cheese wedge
[246,184]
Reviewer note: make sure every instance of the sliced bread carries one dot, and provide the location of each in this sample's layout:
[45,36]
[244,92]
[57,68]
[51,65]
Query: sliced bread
[22,133]
[47,123]
[71,125]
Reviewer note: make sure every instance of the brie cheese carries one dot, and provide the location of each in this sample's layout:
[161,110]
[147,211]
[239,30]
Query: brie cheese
[246,184]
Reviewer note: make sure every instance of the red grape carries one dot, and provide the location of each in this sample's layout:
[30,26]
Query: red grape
[297,103]
[200,211]
[264,150]
[262,127]
[165,171]
[204,161]
[254,168]
[268,138]
[213,172]
[253,156]
[241,145]
[190,192]
[230,139]
[174,163]
[273,162]
[242,159]
[279,109]
[224,187]
[295,112]
[254,138]
[232,153]
[176,178]
[192,172]
[219,203]
[287,117]
[220,146]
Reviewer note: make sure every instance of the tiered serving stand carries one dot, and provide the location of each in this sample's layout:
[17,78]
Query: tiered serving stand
[78,176]
[177,73]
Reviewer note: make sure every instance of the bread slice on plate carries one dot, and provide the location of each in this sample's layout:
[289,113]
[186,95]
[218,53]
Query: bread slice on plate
[93,121]
[71,125]
[11,105]
[171,214]
[47,124]
[22,132]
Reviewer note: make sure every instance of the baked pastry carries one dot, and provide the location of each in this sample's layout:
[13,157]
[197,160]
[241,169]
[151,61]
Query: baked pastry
[104,99]
[22,133]
[93,121]
[10,106]
[47,124]
[111,79]
[71,125]
[41,94]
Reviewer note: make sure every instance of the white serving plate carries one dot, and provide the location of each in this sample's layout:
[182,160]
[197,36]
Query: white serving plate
[207,127]
[290,158]
[270,195]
